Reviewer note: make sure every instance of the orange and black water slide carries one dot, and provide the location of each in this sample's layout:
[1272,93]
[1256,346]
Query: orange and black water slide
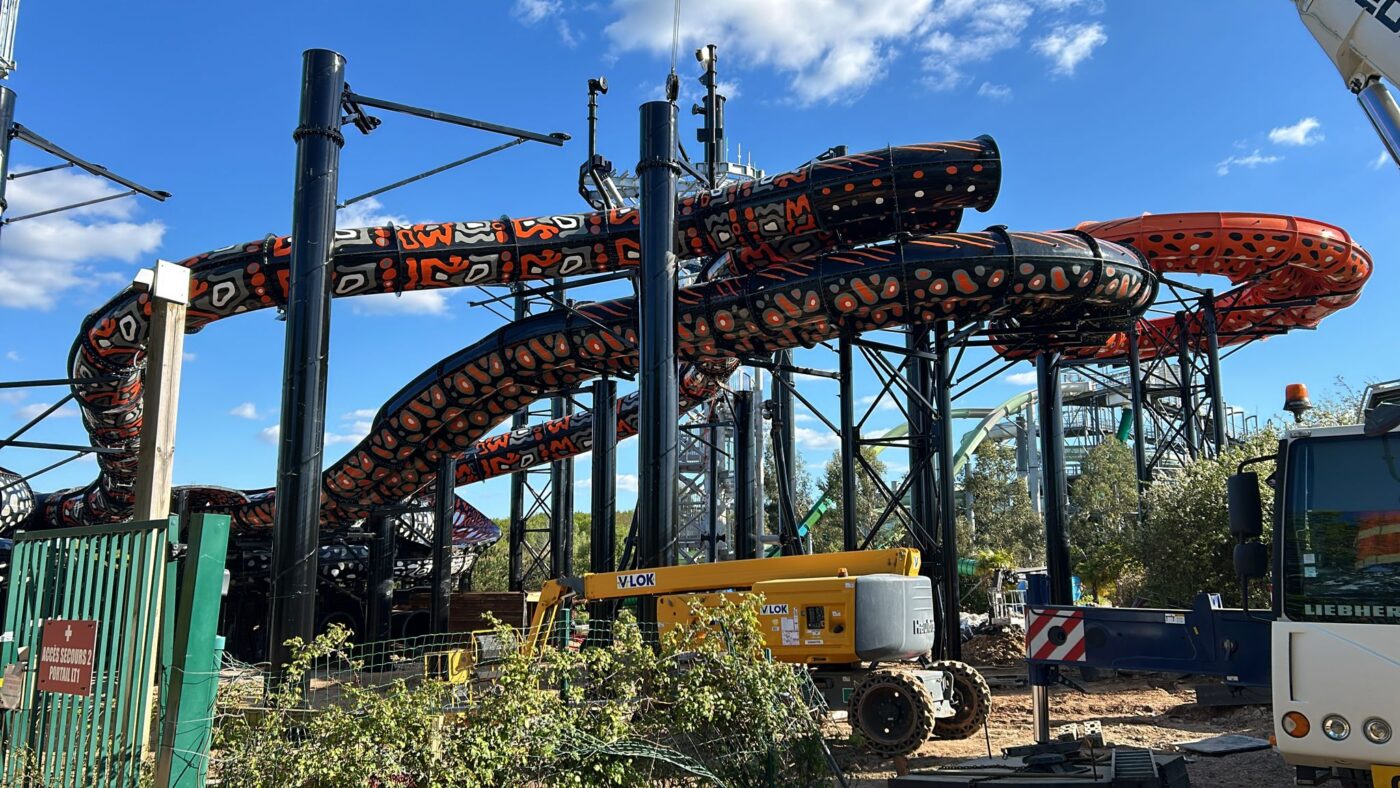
[866,241]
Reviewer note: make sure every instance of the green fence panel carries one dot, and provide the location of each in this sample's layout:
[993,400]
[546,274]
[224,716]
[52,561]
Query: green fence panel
[104,574]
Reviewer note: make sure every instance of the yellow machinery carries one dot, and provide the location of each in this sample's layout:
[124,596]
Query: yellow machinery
[862,621]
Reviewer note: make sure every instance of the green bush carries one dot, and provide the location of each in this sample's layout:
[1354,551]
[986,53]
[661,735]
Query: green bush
[704,706]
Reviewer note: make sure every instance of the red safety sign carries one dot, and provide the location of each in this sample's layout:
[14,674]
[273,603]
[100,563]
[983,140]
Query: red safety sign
[66,653]
[1055,635]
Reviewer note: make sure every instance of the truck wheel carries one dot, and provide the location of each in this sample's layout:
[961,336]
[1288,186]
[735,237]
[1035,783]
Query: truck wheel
[893,711]
[1354,778]
[972,701]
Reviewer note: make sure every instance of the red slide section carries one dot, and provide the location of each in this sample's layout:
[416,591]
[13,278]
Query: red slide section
[1290,272]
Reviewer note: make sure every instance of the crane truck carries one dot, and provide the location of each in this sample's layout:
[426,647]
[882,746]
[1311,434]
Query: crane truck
[861,622]
[1328,645]
[1362,39]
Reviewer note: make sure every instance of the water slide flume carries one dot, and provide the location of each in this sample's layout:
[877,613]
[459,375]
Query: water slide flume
[832,204]
[1063,284]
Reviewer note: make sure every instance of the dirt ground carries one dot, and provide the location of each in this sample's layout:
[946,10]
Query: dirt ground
[1154,712]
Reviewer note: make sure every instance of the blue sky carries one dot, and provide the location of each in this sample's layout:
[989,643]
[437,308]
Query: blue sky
[1101,109]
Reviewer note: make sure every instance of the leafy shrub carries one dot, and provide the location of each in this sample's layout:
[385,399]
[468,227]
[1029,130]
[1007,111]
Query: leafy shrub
[705,705]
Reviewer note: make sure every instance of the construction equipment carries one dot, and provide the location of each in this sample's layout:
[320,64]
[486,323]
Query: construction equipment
[1327,644]
[862,621]
[1362,38]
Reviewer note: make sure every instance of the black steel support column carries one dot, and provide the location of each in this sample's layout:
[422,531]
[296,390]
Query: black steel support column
[1217,398]
[515,537]
[785,452]
[748,509]
[7,122]
[297,522]
[603,538]
[1183,379]
[444,509]
[923,491]
[1052,463]
[947,496]
[561,504]
[1135,396]
[850,443]
[382,555]
[657,454]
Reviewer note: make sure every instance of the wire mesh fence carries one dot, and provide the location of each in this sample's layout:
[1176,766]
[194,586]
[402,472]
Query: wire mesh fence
[602,702]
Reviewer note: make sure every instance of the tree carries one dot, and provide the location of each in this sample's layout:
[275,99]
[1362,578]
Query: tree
[1002,519]
[802,495]
[828,533]
[1103,503]
[1184,541]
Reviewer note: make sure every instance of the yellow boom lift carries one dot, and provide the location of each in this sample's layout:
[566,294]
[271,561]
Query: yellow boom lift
[862,622]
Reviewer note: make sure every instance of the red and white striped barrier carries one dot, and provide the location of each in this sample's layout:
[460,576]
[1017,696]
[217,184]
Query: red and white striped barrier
[1055,635]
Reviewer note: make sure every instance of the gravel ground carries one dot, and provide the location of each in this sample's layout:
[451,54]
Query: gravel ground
[1154,712]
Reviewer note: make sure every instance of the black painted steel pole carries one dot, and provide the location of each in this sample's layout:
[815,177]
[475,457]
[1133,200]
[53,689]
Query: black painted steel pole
[1217,397]
[1136,395]
[297,526]
[7,122]
[657,458]
[1052,463]
[785,452]
[515,536]
[561,503]
[444,508]
[379,612]
[923,489]
[603,539]
[947,494]
[1183,379]
[748,509]
[850,443]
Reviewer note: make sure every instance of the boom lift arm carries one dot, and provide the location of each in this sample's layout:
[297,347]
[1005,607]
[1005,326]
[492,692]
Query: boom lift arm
[725,575]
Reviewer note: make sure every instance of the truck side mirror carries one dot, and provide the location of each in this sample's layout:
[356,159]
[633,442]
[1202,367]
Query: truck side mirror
[1246,509]
[1251,560]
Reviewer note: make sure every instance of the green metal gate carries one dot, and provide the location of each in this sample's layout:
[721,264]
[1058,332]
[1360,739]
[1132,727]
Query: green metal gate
[111,574]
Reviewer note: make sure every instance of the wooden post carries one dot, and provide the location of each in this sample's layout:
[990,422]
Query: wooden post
[169,291]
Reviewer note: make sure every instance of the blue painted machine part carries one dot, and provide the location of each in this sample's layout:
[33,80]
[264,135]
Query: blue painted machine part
[1207,639]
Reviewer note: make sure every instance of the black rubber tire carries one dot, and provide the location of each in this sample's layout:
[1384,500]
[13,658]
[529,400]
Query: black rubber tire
[878,699]
[972,701]
[1354,778]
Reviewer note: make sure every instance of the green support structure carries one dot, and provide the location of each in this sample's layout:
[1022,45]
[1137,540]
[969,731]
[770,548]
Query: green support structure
[193,681]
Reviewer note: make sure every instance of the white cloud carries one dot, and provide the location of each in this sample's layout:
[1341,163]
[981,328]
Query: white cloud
[834,51]
[627,482]
[33,409]
[246,410]
[269,434]
[1251,161]
[803,417]
[190,357]
[1020,378]
[415,302]
[368,212]
[360,413]
[994,91]
[41,258]
[14,356]
[1304,132]
[1069,45]
[887,402]
[532,12]
[11,396]
[809,438]
[1381,160]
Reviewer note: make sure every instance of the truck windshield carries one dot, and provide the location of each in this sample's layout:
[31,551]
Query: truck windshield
[1341,521]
